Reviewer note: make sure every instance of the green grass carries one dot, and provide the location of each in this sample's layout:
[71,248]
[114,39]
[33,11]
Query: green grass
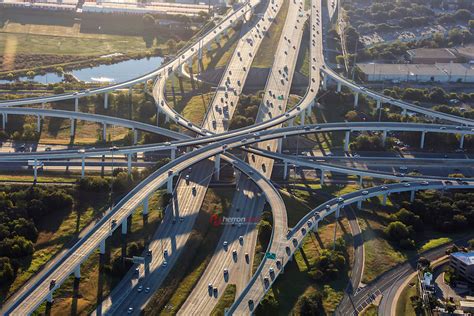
[266,52]
[195,108]
[295,282]
[433,243]
[84,301]
[370,310]
[404,306]
[195,258]
[225,300]
[57,40]
[28,177]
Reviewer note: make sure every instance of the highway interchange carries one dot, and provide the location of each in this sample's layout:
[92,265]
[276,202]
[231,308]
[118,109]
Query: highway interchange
[254,186]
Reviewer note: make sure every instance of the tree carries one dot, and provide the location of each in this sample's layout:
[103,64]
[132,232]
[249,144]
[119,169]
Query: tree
[397,231]
[264,232]
[6,270]
[171,43]
[471,243]
[311,305]
[148,22]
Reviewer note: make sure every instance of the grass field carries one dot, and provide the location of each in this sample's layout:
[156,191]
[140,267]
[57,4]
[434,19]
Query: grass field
[295,282]
[370,310]
[266,52]
[95,282]
[69,39]
[225,300]
[404,306]
[195,108]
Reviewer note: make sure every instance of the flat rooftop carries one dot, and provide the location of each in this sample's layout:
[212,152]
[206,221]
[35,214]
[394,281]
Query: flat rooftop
[466,257]
[431,53]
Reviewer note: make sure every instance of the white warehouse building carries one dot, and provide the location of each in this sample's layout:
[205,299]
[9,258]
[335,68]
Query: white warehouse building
[439,72]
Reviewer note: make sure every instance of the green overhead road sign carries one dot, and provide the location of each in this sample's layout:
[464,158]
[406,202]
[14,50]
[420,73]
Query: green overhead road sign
[270,255]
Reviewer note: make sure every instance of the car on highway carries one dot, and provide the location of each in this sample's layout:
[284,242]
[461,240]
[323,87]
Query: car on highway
[130,310]
[140,289]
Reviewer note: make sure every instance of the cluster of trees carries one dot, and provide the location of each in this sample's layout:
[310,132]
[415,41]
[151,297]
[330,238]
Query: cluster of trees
[365,142]
[444,213]
[246,112]
[330,263]
[19,210]
[311,305]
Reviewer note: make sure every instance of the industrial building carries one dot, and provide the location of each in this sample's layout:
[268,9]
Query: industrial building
[51,5]
[440,72]
[463,265]
[431,55]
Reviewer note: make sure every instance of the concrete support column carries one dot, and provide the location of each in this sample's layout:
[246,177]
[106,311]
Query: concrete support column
[35,170]
[302,118]
[145,85]
[339,86]
[379,103]
[38,123]
[104,131]
[6,117]
[325,82]
[169,184]
[4,121]
[72,128]
[173,153]
[338,211]
[106,100]
[322,176]
[422,142]
[461,142]
[359,204]
[83,166]
[42,106]
[129,164]
[76,104]
[347,140]
[135,136]
[49,297]
[384,201]
[315,226]
[412,196]
[77,272]
[280,145]
[360,181]
[285,170]
[356,99]
[158,115]
[124,227]
[291,122]
[145,206]
[102,247]
[384,137]
[217,167]
[404,112]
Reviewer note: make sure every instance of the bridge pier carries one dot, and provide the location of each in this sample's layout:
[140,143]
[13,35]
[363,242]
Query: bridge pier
[322,176]
[173,153]
[49,297]
[384,137]
[169,183]
[217,166]
[145,84]
[77,272]
[4,121]
[384,201]
[360,182]
[102,247]
[76,104]
[422,142]
[106,100]
[359,204]
[339,87]
[356,99]
[302,117]
[135,136]
[124,226]
[285,170]
[346,140]
[325,82]
[42,106]
[145,206]
[280,145]
[83,167]
[73,128]
[291,122]
[338,209]
[404,112]
[412,196]
[35,170]
[379,104]
[38,123]
[461,142]
[129,164]
[104,131]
